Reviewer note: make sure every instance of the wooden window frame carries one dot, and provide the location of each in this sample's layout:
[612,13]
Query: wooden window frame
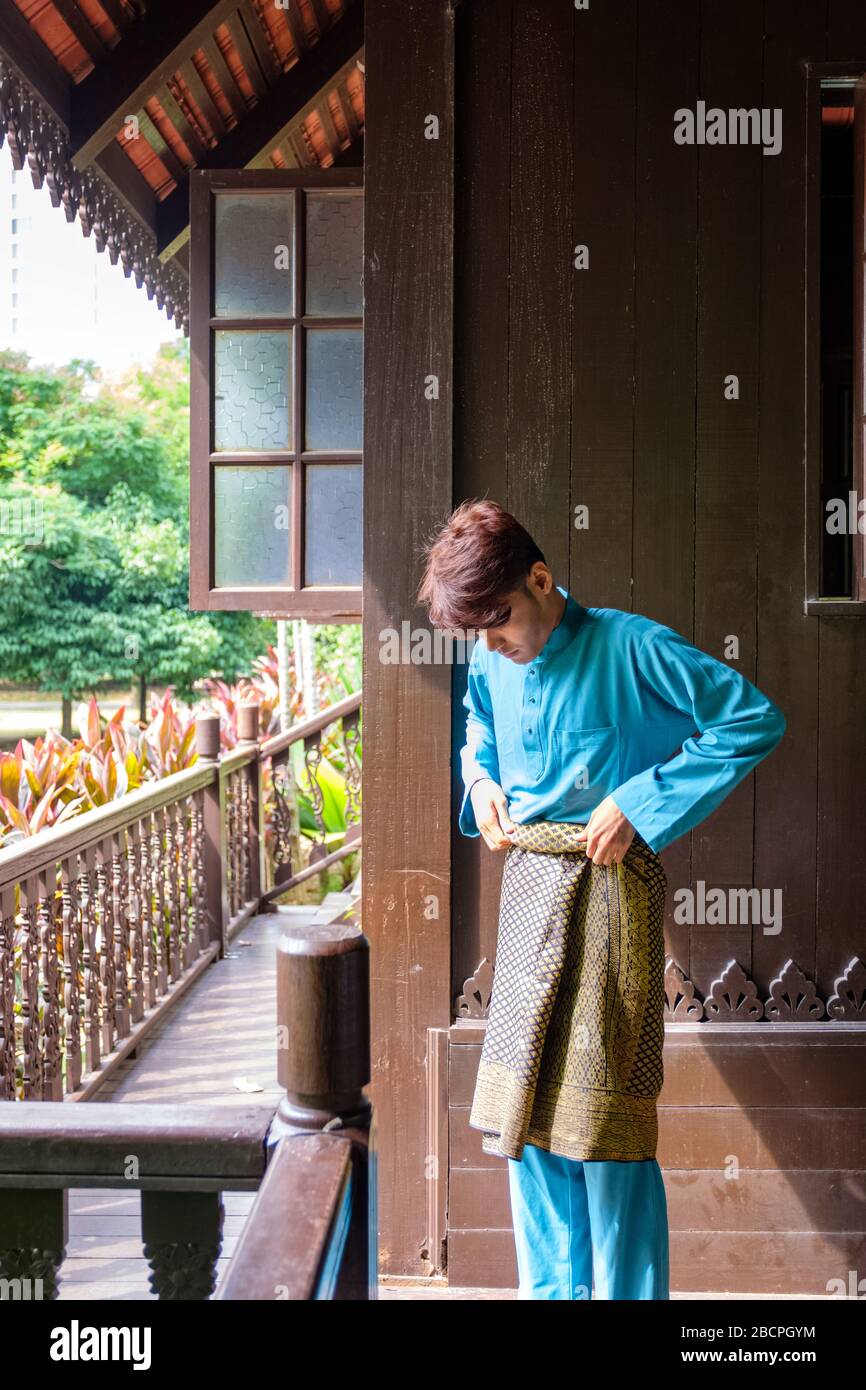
[317,603]
[813,604]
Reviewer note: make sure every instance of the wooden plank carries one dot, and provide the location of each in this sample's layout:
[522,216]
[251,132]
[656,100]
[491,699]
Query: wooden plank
[726,455]
[202,97]
[841,866]
[407,490]
[172,1140]
[481,327]
[295,24]
[704,1136]
[298,146]
[294,1223]
[770,1199]
[665,348]
[326,120]
[155,138]
[224,76]
[116,13]
[718,1262]
[787,640]
[176,114]
[321,14]
[151,52]
[604,453]
[241,41]
[738,1065]
[542,279]
[437,1167]
[264,54]
[287,151]
[81,28]
[490,1251]
[129,184]
[746,1262]
[348,110]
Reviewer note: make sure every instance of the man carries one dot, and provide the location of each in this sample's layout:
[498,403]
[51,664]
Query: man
[594,738]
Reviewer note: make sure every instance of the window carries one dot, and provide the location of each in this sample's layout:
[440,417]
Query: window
[276,330]
[836,482]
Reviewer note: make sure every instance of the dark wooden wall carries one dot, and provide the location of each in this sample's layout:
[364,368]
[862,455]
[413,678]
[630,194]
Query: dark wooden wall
[605,387]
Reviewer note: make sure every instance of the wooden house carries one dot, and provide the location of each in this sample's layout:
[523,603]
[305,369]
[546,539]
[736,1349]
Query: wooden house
[613,277]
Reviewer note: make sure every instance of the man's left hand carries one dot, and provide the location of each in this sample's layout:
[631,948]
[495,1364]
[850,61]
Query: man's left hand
[608,833]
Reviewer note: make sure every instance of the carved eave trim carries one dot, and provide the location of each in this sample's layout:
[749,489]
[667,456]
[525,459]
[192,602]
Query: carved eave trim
[38,141]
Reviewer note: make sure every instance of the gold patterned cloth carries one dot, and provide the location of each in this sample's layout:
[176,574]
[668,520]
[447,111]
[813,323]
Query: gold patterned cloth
[572,1055]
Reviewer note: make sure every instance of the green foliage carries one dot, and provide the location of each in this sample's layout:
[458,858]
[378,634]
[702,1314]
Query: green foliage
[337,650]
[99,590]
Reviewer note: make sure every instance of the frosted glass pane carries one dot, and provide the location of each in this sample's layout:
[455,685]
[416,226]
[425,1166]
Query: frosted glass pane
[334,389]
[252,385]
[252,255]
[333,524]
[252,525]
[335,232]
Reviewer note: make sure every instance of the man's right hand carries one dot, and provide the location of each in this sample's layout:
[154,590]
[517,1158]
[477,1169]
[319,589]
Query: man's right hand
[491,813]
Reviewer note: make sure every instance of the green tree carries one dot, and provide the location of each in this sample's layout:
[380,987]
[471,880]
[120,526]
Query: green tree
[94,534]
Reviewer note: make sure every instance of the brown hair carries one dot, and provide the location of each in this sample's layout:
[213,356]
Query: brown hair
[481,554]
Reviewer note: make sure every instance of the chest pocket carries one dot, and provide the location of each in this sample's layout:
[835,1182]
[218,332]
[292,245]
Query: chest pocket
[587,761]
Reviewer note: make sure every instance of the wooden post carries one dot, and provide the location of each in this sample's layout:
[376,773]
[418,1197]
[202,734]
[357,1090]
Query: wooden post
[207,742]
[323,1061]
[406,902]
[250,732]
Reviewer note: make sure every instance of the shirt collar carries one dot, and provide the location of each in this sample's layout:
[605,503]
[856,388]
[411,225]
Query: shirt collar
[564,632]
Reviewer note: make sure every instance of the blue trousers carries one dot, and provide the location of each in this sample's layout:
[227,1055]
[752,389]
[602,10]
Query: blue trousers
[575,1219]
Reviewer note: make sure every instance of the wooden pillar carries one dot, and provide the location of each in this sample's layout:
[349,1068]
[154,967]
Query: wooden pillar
[249,731]
[207,742]
[323,1061]
[408,294]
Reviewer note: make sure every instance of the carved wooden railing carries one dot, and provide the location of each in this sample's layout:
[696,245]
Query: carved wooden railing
[106,918]
[311,1233]
[275,753]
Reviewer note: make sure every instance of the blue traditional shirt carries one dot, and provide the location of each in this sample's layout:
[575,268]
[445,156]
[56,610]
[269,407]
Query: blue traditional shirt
[614,705]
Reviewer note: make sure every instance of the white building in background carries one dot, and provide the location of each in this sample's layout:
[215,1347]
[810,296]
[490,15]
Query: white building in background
[61,298]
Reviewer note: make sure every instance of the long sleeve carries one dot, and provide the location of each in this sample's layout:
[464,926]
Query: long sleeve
[738,727]
[478,757]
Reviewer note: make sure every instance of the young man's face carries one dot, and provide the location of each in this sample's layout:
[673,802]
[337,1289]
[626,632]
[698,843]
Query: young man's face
[535,611]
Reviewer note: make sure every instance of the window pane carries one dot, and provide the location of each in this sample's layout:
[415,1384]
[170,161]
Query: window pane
[252,385]
[335,229]
[334,389]
[333,524]
[252,255]
[252,520]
